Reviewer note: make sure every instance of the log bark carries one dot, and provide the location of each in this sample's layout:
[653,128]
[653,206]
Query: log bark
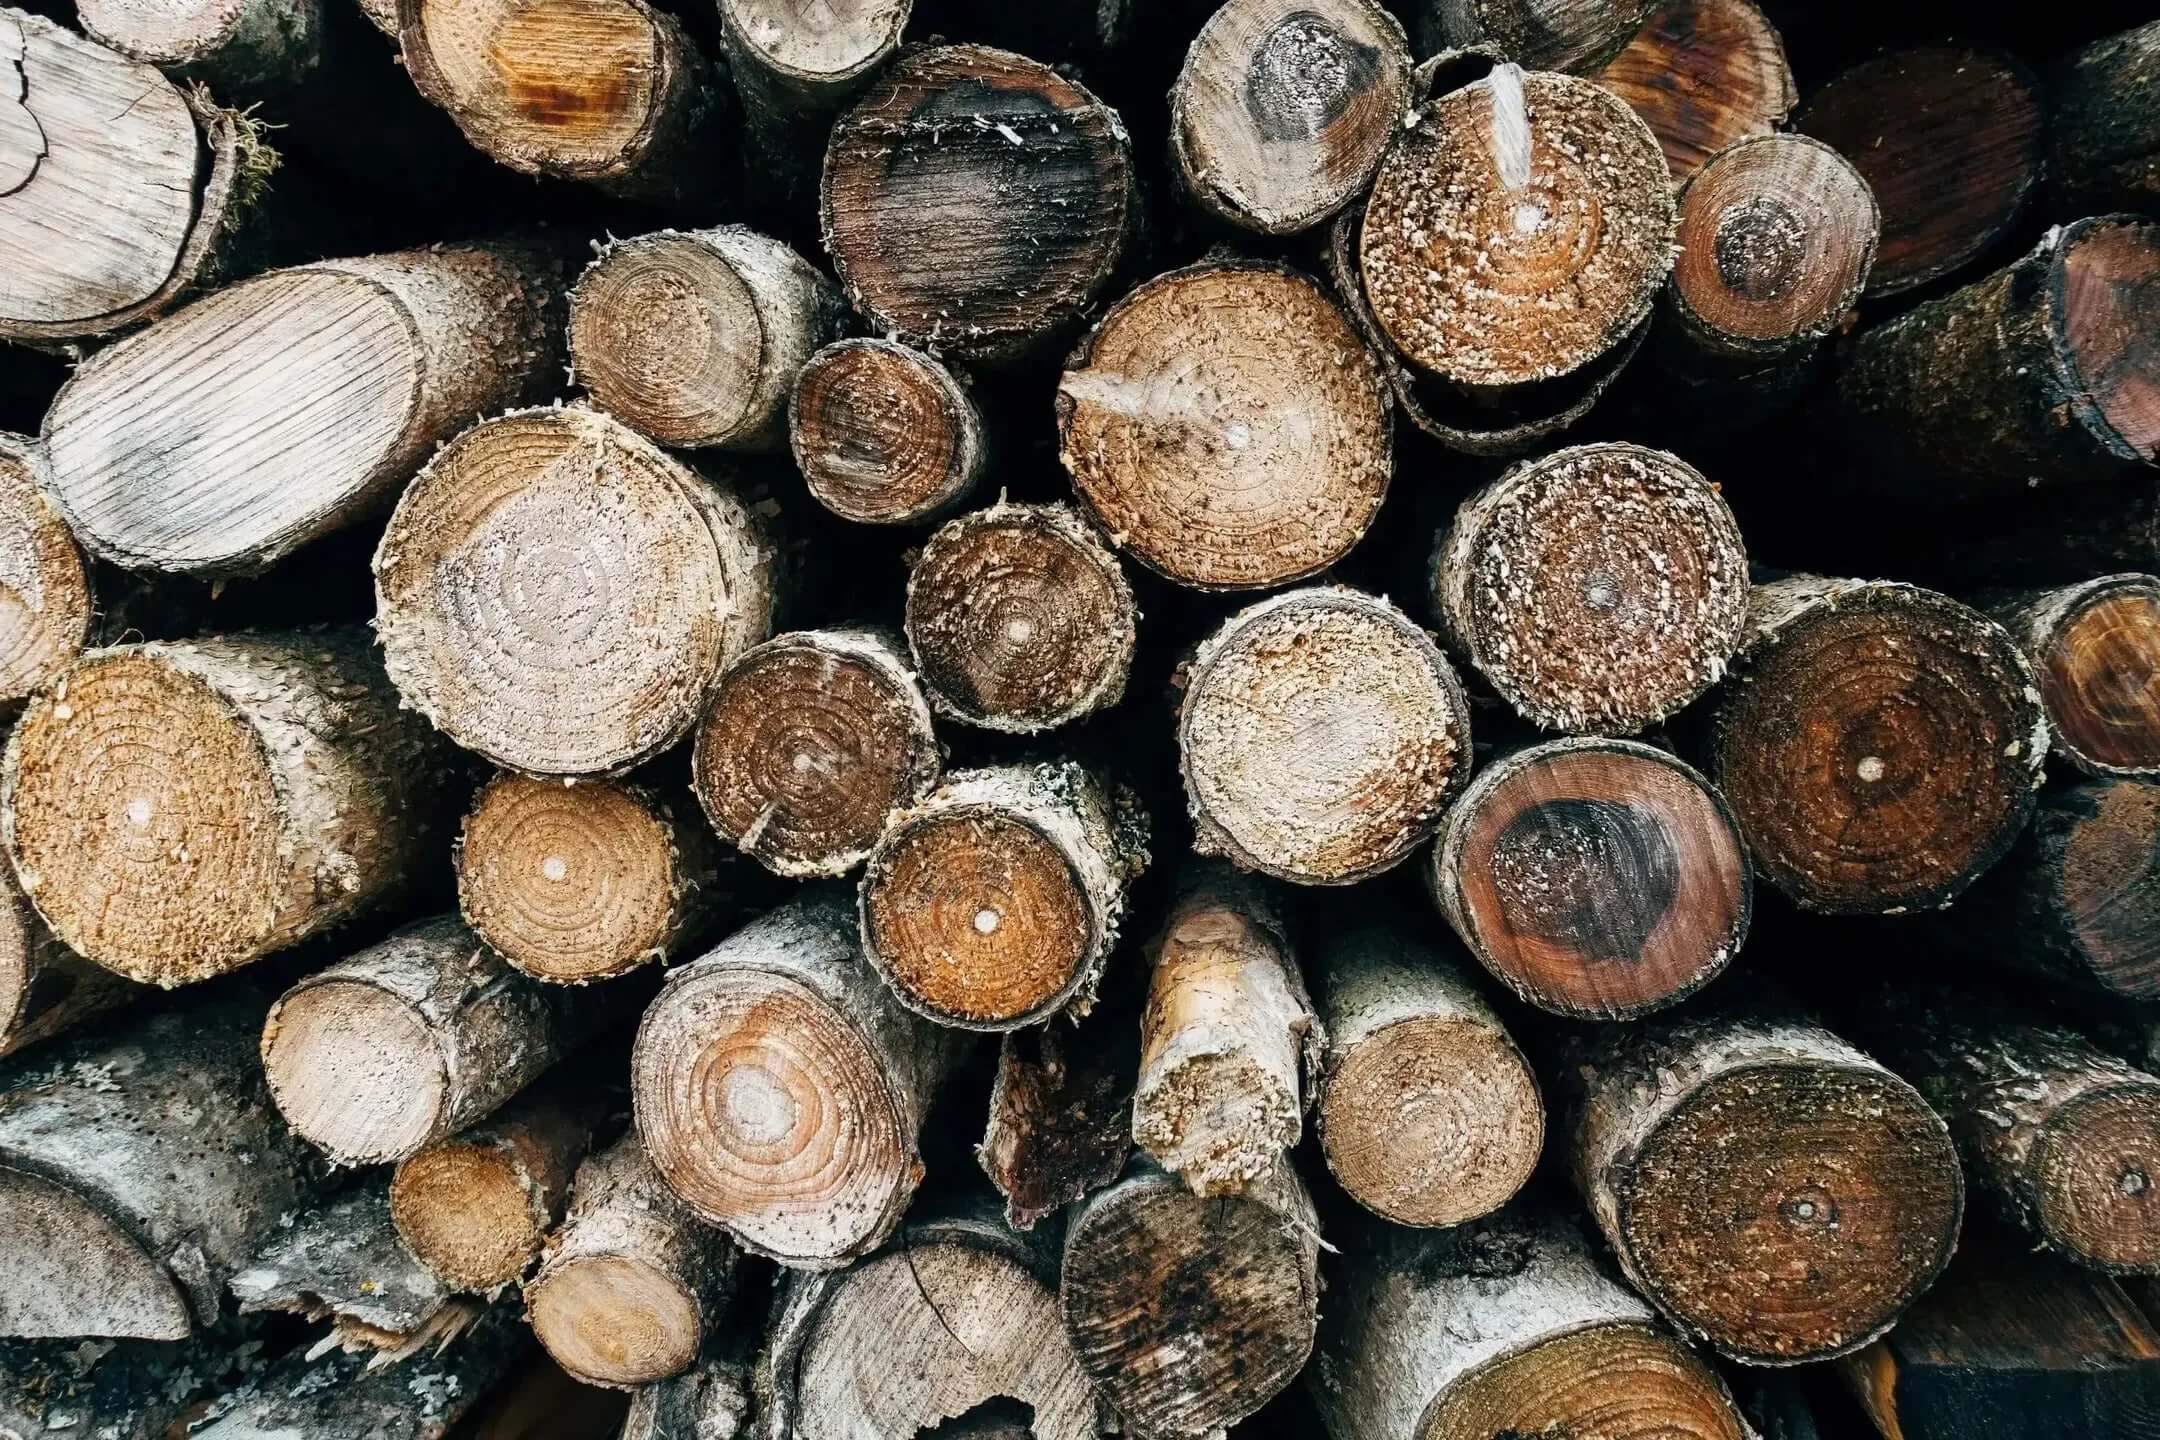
[1191,1313]
[1704,75]
[1509,1327]
[120,1390]
[2104,125]
[949,234]
[48,603]
[712,1400]
[994,903]
[239,48]
[1866,787]
[1227,427]
[413,1040]
[1061,1109]
[1599,879]
[811,740]
[796,67]
[561,595]
[98,1240]
[2096,648]
[343,1263]
[273,789]
[1428,1113]
[1021,619]
[1578,36]
[695,338]
[782,1091]
[45,987]
[1598,589]
[885,434]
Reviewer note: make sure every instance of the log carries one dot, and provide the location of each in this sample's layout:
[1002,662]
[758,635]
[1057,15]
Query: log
[1704,75]
[1506,1328]
[1278,118]
[782,1091]
[561,595]
[48,603]
[994,903]
[586,882]
[1061,1109]
[1769,1187]
[1191,1313]
[95,1239]
[270,789]
[2041,374]
[119,1390]
[1951,142]
[1599,879]
[1428,1114]
[1572,35]
[950,235]
[2104,125]
[343,1263]
[239,48]
[884,434]
[695,337]
[2096,649]
[795,68]
[1597,589]
[412,1040]
[633,1284]
[811,740]
[1021,619]
[1227,427]
[711,1400]
[1865,785]
[45,987]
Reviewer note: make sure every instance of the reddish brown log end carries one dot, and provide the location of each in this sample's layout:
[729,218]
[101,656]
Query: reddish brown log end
[1704,75]
[884,435]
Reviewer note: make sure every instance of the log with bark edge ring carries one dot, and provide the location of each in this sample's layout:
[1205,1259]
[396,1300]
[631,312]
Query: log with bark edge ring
[239,48]
[2096,649]
[1704,74]
[1571,35]
[2104,125]
[884,434]
[47,601]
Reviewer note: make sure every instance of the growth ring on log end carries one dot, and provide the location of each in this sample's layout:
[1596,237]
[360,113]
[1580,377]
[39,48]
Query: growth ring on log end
[1704,75]
[46,601]
[884,435]
[2096,649]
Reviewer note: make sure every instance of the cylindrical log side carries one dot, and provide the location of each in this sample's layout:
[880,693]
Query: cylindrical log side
[242,49]
[344,1262]
[48,603]
[711,1400]
[885,434]
[1577,36]
[2104,125]
[45,987]
[795,68]
[2096,648]
[1060,1122]
[1704,75]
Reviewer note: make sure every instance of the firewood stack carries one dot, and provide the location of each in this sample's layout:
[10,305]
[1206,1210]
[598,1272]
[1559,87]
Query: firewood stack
[1405,719]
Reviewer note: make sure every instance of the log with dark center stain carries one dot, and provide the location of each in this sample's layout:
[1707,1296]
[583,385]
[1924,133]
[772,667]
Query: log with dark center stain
[1304,75]
[1589,874]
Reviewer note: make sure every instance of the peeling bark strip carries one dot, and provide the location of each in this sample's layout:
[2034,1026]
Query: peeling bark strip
[781,1090]
[1601,879]
[239,48]
[176,811]
[1283,107]
[811,741]
[2045,372]
[2096,649]
[1769,1187]
[1880,743]
[994,903]
[1191,1313]
[1597,589]
[885,435]
[1227,427]
[343,1263]
[1704,75]
[269,414]
[1571,35]
[1060,1113]
[45,987]
[561,595]
[1505,1328]
[2104,125]
[976,201]
[47,602]
[1021,619]
[95,1239]
[1428,1114]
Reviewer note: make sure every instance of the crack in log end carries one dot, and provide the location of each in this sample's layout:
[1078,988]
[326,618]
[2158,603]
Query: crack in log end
[23,143]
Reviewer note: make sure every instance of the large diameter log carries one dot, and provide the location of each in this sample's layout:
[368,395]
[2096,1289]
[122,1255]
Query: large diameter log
[781,1090]
[1227,427]
[1428,1113]
[559,594]
[1600,588]
[1191,1313]
[98,1237]
[45,987]
[1771,1188]
[1509,1327]
[2096,649]
[1060,1121]
[975,201]
[811,740]
[237,47]
[266,788]
[994,903]
[124,1390]
[884,434]
[1879,745]
[2104,125]
[1601,879]
[47,603]
[1571,35]
[1704,75]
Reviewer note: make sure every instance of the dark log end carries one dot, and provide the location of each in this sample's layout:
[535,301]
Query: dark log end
[883,434]
[1704,75]
[2094,1164]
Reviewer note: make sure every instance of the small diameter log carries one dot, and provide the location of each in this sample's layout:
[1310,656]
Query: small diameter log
[176,811]
[124,1390]
[1283,107]
[2104,125]
[95,1236]
[1600,879]
[1229,1045]
[271,413]
[45,987]
[1880,744]
[413,1040]
[2043,373]
[2096,649]
[994,903]
[633,1283]
[811,740]
[1060,1113]
[1704,75]
[1428,1114]
[1507,1328]
[885,435]
[795,67]
[47,603]
[1766,1185]
[781,1090]
[712,1400]
[1021,619]
[559,594]
[343,1263]
[239,48]
[1191,1313]
[1949,140]
[1571,35]
[976,202]
[1227,427]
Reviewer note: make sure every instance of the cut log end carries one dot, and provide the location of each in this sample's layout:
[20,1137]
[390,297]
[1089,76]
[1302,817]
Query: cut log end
[2096,647]
[616,1319]
[1571,35]
[72,1271]
[2094,1164]
[467,1214]
[884,435]
[355,1070]
[46,602]
[2105,303]
[1704,75]
[1618,1379]
[816,48]
[2106,885]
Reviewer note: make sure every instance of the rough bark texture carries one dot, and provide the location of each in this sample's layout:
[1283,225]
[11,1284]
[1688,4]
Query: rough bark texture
[47,601]
[238,48]
[2104,125]
[271,789]
[712,1400]
[2096,648]
[1060,1113]
[885,434]
[45,987]
[1571,35]
[1704,74]
[344,1263]
[119,1390]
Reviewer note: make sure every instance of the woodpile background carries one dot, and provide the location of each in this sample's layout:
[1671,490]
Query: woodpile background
[864,720]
